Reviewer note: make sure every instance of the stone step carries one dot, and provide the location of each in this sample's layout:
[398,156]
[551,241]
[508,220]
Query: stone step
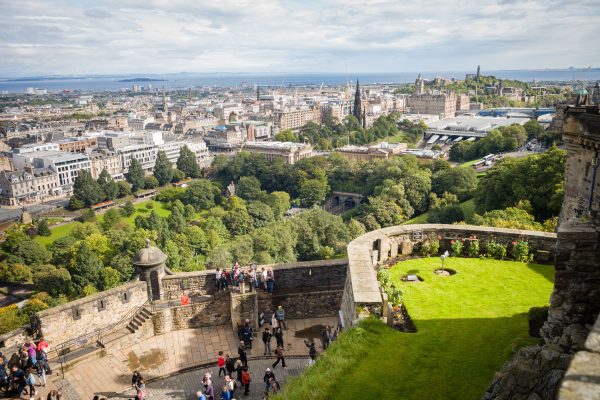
[113,336]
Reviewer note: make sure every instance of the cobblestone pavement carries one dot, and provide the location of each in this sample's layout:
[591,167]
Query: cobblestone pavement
[185,385]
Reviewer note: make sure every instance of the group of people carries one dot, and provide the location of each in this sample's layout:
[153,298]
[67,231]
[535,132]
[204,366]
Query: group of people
[236,375]
[237,275]
[18,374]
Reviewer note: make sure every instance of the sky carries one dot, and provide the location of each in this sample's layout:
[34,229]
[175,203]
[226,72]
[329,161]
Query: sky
[46,37]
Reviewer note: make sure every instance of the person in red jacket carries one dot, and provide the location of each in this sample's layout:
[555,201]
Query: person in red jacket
[246,379]
[221,363]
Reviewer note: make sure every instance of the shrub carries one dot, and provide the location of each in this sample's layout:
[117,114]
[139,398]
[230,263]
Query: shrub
[128,209]
[536,317]
[520,251]
[495,250]
[473,248]
[88,215]
[150,205]
[429,247]
[457,247]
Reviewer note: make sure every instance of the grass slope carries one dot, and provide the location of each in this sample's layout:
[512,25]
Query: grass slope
[64,230]
[468,208]
[468,326]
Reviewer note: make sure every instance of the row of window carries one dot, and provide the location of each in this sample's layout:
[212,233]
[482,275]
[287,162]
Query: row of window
[101,304]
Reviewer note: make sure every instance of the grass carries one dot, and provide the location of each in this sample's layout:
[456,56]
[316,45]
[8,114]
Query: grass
[66,229]
[468,325]
[468,208]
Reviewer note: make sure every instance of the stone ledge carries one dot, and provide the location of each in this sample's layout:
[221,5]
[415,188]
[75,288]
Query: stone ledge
[593,340]
[582,380]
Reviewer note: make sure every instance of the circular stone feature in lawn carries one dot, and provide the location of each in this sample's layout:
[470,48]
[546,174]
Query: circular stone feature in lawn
[444,272]
[411,278]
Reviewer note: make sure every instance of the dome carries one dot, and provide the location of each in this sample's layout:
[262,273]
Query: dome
[149,256]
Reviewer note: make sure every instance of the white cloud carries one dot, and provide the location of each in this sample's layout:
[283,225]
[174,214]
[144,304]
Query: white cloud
[119,36]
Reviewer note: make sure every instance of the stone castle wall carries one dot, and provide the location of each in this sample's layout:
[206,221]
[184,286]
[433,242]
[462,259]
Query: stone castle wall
[89,314]
[362,290]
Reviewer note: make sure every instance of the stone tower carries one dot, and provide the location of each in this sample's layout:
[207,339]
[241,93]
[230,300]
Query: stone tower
[357,110]
[419,85]
[149,265]
[165,106]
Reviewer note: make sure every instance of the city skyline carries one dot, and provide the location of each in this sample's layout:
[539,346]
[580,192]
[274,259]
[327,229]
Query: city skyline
[133,36]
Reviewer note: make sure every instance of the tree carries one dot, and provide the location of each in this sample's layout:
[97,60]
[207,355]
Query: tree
[32,253]
[178,175]
[511,217]
[462,181]
[108,186]
[88,215]
[312,191]
[128,209]
[197,239]
[176,220]
[355,228]
[109,278]
[188,164]
[85,267]
[286,136]
[170,194]
[279,203]
[248,188]
[446,215]
[14,273]
[150,182]
[86,189]
[55,281]
[163,169]
[385,212]
[111,217]
[201,194]
[124,188]
[533,129]
[238,221]
[260,213]
[42,227]
[189,212]
[135,175]
[61,249]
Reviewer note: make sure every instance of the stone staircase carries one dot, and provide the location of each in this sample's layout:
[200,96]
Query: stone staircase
[134,324]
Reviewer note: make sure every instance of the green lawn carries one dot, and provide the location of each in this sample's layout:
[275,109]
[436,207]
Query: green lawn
[468,208]
[66,229]
[468,325]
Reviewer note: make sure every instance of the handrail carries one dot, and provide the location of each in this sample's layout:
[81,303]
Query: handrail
[84,339]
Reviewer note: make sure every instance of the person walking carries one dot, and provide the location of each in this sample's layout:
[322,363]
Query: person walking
[225,394]
[135,378]
[325,336]
[280,315]
[242,353]
[246,379]
[209,391]
[279,353]
[30,380]
[140,387]
[239,368]
[278,336]
[312,352]
[229,365]
[221,363]
[40,369]
[266,338]
[267,379]
[270,280]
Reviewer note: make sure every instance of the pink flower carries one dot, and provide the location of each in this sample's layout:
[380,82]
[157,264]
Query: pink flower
[439,237]
[513,242]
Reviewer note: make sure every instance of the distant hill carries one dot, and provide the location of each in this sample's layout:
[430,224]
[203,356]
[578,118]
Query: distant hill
[142,80]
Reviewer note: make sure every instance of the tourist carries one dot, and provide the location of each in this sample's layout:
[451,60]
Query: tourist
[312,352]
[278,336]
[30,381]
[274,386]
[32,353]
[231,384]
[3,373]
[200,395]
[325,336]
[246,333]
[279,353]
[54,395]
[264,276]
[242,353]
[221,363]
[246,379]
[253,276]
[135,378]
[280,314]
[40,369]
[140,387]
[218,275]
[225,394]
[273,322]
[270,280]
[267,379]
[43,346]
[23,357]
[229,365]
[206,380]
[17,378]
[209,391]
[239,367]
[266,338]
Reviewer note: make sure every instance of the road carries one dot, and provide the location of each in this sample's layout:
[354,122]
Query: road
[13,213]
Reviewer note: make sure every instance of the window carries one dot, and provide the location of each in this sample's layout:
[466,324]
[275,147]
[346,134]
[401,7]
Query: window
[76,313]
[125,297]
[102,304]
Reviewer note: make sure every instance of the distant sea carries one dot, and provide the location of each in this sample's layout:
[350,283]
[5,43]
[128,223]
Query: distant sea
[185,80]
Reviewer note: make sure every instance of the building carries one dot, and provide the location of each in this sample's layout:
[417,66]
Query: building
[297,118]
[27,186]
[144,153]
[289,152]
[225,137]
[78,145]
[378,151]
[173,149]
[66,165]
[443,104]
[33,147]
[463,102]
[106,160]
[335,110]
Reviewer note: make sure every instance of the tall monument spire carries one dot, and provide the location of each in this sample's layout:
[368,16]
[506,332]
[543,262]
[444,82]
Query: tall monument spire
[357,110]
[165,105]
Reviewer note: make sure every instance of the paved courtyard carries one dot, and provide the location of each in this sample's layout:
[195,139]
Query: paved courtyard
[167,354]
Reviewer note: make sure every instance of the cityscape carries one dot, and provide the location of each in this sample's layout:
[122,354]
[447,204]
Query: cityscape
[299,201]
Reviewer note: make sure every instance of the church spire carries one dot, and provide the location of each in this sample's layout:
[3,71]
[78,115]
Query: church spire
[164,102]
[357,110]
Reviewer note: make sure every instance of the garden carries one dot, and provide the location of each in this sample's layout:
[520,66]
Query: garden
[466,326]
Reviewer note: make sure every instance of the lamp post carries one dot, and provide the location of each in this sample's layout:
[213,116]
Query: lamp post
[443,257]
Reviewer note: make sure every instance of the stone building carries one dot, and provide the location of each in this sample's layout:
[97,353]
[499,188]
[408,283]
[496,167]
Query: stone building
[78,145]
[27,186]
[297,118]
[443,104]
[289,152]
[106,160]
[369,153]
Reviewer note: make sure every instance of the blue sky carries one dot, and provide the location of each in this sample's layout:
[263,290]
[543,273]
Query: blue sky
[163,36]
